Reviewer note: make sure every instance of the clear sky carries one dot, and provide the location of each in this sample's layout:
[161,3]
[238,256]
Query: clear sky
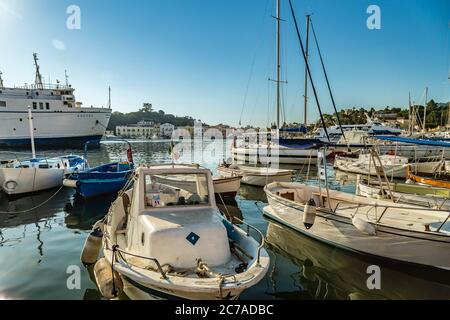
[198,57]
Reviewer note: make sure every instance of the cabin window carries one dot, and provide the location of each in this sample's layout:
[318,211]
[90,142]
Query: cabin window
[34,105]
[47,106]
[171,190]
[37,93]
[3,104]
[41,106]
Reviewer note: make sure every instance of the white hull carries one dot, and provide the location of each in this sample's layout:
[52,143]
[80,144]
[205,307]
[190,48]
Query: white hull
[364,167]
[400,236]
[430,201]
[281,155]
[28,180]
[258,177]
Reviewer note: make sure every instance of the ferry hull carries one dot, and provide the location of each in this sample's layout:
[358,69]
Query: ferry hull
[57,142]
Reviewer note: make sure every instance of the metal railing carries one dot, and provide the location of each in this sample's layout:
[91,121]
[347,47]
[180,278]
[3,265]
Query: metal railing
[386,209]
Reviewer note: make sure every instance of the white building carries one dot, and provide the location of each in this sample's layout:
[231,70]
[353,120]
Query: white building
[166,130]
[142,129]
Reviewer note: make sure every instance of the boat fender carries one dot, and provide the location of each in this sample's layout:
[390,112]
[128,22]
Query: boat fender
[309,214]
[108,281]
[92,247]
[364,226]
[69,183]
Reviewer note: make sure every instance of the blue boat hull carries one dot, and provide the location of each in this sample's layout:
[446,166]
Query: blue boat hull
[52,143]
[94,188]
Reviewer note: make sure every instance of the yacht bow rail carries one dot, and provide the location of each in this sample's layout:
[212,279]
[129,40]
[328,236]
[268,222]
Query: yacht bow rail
[386,208]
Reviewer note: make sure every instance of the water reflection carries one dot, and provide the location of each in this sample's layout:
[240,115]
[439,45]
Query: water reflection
[325,272]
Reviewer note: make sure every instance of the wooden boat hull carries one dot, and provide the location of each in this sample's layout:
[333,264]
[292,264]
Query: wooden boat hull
[429,181]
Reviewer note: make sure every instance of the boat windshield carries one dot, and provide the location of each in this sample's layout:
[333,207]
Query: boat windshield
[169,190]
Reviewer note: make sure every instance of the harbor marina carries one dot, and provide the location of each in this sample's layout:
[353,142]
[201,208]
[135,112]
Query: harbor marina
[45,241]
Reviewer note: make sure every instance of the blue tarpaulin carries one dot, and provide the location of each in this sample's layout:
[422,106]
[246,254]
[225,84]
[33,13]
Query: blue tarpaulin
[416,141]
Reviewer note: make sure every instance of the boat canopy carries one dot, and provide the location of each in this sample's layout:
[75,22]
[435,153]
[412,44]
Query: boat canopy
[301,143]
[415,141]
[300,129]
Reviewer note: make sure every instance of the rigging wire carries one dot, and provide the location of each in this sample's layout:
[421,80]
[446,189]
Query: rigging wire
[326,78]
[308,69]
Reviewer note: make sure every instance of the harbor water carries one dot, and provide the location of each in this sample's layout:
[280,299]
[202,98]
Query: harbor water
[40,249]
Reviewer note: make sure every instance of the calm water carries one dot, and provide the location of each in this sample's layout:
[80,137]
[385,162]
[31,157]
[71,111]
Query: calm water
[37,247]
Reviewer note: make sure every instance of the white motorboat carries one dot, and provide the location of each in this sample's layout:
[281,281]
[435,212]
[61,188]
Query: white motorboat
[21,177]
[256,176]
[394,166]
[427,196]
[164,241]
[402,233]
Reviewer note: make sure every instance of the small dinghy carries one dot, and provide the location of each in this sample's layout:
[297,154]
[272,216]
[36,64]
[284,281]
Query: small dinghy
[255,176]
[37,174]
[162,241]
[104,179]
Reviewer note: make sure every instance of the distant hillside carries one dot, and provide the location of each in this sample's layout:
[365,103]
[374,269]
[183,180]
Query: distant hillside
[437,114]
[147,114]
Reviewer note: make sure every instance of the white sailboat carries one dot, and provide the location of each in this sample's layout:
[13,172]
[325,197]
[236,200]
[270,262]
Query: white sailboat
[161,241]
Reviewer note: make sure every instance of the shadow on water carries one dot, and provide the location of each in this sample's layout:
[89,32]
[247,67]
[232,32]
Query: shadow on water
[324,272]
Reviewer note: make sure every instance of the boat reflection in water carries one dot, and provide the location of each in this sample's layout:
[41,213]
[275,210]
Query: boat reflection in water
[325,272]
[81,214]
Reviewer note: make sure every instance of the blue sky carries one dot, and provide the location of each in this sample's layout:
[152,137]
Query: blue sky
[195,57]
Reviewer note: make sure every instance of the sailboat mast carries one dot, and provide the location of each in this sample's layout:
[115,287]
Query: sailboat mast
[278,62]
[410,115]
[425,111]
[1,80]
[306,70]
[31,128]
[109,97]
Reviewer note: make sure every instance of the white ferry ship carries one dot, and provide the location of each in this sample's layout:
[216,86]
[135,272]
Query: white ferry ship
[59,120]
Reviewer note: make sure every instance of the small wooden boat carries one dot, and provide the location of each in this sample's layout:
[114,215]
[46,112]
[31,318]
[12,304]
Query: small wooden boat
[21,177]
[104,179]
[427,196]
[402,233]
[442,181]
[161,241]
[255,176]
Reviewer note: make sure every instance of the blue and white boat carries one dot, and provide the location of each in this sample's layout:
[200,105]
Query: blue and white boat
[104,179]
[18,177]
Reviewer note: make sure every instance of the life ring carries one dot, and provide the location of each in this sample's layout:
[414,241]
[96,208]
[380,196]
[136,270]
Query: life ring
[10,185]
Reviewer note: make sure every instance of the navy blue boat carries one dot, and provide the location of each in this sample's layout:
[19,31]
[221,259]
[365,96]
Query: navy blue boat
[101,180]
[104,179]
